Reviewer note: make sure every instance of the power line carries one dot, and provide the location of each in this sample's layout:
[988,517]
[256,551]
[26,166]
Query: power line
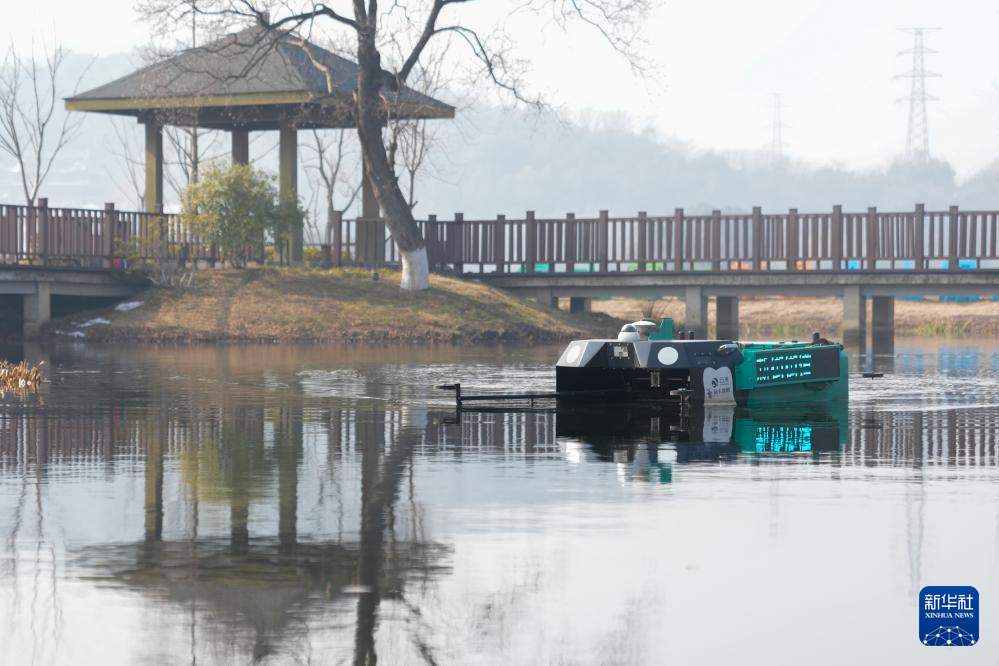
[917,139]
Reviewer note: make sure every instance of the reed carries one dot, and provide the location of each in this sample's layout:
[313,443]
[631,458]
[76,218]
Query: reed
[20,376]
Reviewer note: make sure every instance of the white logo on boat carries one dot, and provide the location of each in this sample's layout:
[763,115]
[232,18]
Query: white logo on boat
[718,385]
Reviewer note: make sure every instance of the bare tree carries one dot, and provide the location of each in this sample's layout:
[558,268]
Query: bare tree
[184,142]
[411,140]
[330,182]
[181,162]
[130,180]
[408,28]
[188,149]
[30,130]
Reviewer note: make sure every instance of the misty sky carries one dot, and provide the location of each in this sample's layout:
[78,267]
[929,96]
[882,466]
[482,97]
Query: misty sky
[718,65]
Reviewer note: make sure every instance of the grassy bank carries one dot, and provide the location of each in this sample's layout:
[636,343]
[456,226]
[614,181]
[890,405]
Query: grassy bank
[798,317]
[340,305]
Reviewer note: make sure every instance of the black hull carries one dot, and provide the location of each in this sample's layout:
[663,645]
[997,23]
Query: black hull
[624,384]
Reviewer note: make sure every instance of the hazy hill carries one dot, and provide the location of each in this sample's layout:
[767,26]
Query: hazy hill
[507,161]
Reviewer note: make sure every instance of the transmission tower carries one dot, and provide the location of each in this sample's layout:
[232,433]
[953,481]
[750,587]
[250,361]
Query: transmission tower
[917,139]
[777,128]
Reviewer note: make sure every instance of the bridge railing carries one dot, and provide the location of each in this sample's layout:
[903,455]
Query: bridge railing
[836,240]
[96,238]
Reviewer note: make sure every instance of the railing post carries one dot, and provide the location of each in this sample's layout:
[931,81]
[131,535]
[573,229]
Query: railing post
[792,239]
[161,248]
[756,261]
[836,242]
[530,242]
[872,238]
[459,243]
[107,240]
[678,239]
[603,228]
[571,240]
[12,243]
[919,261]
[499,243]
[643,231]
[432,238]
[43,229]
[715,240]
[338,237]
[952,255]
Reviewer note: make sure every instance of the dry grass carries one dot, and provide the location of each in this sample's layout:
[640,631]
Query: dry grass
[19,377]
[340,305]
[798,317]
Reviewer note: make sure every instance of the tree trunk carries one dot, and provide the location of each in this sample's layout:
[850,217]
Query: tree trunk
[398,216]
[415,269]
[330,214]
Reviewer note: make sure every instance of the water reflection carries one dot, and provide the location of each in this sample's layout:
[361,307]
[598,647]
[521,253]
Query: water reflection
[264,582]
[240,505]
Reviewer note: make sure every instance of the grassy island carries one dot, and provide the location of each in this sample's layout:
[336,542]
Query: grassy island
[338,305]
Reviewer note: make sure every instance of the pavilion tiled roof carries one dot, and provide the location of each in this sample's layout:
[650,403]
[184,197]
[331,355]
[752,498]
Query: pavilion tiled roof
[257,67]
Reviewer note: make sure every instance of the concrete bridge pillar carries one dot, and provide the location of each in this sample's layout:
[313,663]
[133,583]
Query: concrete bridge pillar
[854,318]
[727,317]
[695,316]
[37,310]
[546,298]
[883,325]
[580,304]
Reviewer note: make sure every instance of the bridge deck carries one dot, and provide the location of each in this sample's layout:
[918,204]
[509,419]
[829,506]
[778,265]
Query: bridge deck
[984,282]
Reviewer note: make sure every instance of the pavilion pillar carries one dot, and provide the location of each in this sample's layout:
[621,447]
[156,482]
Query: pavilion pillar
[240,146]
[370,228]
[154,167]
[288,182]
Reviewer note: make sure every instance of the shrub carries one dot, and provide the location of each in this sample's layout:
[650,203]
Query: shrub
[235,207]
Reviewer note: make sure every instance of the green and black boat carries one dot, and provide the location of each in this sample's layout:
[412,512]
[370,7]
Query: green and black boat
[648,362]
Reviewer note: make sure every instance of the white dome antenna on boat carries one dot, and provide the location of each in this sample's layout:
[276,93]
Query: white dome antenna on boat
[644,327]
[629,333]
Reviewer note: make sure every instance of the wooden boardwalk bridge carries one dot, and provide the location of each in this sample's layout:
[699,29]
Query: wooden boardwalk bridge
[855,255]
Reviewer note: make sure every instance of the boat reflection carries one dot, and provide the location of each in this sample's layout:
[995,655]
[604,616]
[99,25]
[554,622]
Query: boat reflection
[648,440]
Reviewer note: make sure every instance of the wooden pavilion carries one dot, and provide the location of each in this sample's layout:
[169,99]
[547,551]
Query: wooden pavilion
[260,79]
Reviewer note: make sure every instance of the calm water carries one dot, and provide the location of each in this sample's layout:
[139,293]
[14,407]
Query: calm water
[306,505]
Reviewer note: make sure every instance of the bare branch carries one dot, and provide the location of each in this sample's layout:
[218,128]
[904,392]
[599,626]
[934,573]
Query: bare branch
[126,148]
[28,129]
[302,17]
[496,65]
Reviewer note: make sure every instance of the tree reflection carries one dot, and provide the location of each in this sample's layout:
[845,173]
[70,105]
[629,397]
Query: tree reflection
[381,471]
[250,458]
[224,462]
